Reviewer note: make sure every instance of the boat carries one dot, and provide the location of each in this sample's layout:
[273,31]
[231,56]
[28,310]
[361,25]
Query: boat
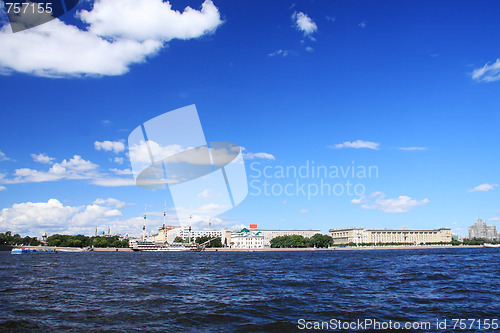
[491,245]
[21,250]
[150,246]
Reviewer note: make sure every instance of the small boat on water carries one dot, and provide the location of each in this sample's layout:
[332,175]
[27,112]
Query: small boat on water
[491,245]
[21,250]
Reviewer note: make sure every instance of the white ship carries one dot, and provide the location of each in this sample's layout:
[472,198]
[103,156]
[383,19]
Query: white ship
[150,246]
[145,245]
[491,245]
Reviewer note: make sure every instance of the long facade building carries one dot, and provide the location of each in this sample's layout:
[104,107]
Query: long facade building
[378,236]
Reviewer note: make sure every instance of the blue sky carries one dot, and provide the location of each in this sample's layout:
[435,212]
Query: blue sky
[408,87]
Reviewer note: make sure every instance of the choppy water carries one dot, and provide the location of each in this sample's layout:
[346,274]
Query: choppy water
[244,292]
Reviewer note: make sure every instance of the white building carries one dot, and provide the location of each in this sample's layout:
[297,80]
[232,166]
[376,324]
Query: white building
[185,233]
[247,239]
[377,236]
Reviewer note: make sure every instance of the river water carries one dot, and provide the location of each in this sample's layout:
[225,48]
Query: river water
[250,291]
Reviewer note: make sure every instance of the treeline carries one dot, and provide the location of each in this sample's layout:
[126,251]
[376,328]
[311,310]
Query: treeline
[199,240]
[479,241]
[8,239]
[86,241]
[294,241]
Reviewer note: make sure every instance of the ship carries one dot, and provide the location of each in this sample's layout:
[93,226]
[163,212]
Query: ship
[491,245]
[150,246]
[145,245]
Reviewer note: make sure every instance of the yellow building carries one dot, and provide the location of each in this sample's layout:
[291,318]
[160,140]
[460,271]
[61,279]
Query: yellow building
[378,236]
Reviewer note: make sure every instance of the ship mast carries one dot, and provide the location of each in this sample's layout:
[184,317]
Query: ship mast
[144,225]
[189,234]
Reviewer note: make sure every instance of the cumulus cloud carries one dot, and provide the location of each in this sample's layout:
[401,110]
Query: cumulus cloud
[487,73]
[119,34]
[42,158]
[377,200]
[304,23]
[143,20]
[74,168]
[357,145]
[114,146]
[483,188]
[54,217]
[3,188]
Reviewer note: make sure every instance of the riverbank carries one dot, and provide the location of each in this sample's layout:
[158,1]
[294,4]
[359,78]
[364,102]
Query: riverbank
[349,248]
[225,249]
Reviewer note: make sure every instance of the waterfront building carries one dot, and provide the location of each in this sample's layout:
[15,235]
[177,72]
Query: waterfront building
[268,234]
[377,236]
[481,230]
[247,239]
[185,233]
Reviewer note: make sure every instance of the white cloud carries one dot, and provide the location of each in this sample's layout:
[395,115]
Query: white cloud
[113,181]
[3,188]
[401,204]
[119,34]
[3,157]
[112,202]
[330,18]
[304,23]
[309,49]
[303,211]
[205,194]
[54,217]
[55,49]
[488,73]
[122,172]
[494,219]
[118,160]
[279,52]
[42,158]
[357,145]
[265,156]
[362,25]
[412,148]
[74,168]
[483,188]
[114,146]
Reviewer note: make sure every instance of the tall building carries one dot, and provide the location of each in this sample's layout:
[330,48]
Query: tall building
[377,236]
[481,230]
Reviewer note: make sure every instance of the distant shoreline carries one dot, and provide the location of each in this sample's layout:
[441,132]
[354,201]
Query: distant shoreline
[225,249]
